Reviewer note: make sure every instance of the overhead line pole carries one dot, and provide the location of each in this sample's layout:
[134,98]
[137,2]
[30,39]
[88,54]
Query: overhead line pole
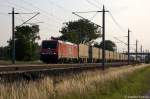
[129,47]
[103,37]
[13,35]
[136,49]
[141,54]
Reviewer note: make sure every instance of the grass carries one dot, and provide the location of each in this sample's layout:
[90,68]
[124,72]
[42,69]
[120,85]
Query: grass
[9,62]
[135,85]
[114,83]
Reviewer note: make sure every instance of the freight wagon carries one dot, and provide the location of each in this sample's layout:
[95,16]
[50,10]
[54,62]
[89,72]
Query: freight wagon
[83,53]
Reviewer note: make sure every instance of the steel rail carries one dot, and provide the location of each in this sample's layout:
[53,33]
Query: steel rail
[32,68]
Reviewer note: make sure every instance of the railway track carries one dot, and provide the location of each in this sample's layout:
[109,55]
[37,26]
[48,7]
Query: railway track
[32,72]
[6,69]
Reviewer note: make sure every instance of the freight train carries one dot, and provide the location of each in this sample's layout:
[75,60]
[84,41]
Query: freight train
[56,51]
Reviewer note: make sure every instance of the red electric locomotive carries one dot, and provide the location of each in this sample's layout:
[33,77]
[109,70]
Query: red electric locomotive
[54,51]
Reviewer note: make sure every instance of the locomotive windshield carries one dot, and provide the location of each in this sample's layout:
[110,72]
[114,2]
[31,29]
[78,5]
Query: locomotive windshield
[49,44]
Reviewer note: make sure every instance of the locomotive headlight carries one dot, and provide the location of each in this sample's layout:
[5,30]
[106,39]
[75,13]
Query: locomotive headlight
[43,53]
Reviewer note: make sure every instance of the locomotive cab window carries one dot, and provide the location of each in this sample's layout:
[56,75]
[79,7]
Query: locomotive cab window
[49,44]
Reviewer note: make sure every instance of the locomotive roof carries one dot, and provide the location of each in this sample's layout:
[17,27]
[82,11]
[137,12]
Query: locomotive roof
[69,43]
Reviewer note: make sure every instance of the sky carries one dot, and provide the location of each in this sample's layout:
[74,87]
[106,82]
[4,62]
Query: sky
[123,14]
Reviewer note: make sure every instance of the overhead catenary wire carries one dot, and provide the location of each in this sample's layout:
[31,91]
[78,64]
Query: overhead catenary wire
[114,20]
[120,27]
[98,2]
[120,41]
[2,14]
[66,10]
[117,24]
[75,13]
[93,4]
[47,13]
[124,43]
[112,17]
[59,6]
[18,7]
[6,14]
[93,16]
[20,18]
[27,9]
[30,18]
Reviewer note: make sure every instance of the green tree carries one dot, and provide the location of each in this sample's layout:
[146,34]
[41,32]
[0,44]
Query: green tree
[4,53]
[109,45]
[80,31]
[25,38]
